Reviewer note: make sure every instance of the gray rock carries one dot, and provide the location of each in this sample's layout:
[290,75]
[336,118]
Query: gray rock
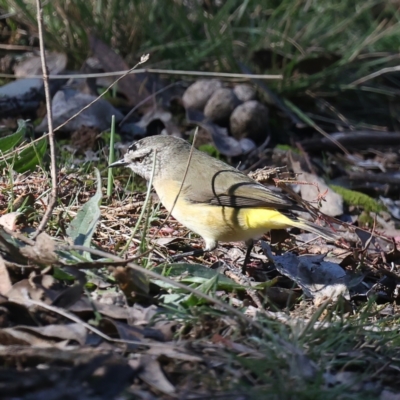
[250,120]
[67,103]
[197,94]
[55,62]
[21,87]
[220,106]
[245,92]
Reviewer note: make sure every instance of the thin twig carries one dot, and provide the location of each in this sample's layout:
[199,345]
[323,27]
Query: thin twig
[53,166]
[153,71]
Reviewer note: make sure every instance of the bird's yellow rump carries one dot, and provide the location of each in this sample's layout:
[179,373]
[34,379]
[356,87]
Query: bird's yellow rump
[217,201]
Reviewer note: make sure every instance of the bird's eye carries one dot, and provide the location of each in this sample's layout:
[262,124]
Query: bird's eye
[139,159]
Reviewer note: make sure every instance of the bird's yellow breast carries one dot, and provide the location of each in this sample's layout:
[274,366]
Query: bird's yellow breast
[221,223]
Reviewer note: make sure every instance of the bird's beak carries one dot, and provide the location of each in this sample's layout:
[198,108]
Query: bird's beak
[119,163]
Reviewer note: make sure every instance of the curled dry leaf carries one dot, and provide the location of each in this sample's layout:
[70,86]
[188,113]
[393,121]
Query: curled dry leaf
[133,86]
[332,203]
[40,288]
[9,220]
[150,372]
[5,282]
[43,251]
[43,336]
[84,307]
[321,280]
[67,102]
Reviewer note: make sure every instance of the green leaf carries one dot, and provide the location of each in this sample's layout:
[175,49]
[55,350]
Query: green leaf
[195,273]
[9,142]
[61,275]
[173,298]
[30,157]
[82,227]
[208,287]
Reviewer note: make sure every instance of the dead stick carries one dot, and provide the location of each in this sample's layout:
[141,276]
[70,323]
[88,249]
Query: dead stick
[53,165]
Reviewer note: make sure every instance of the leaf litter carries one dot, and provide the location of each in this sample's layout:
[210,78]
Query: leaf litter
[58,297]
[105,303]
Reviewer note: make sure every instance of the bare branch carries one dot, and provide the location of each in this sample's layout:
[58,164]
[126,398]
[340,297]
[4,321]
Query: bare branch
[53,166]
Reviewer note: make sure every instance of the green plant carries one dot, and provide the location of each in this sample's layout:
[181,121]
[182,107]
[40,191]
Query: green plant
[25,157]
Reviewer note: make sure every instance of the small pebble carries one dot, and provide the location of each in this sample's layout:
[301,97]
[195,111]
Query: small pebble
[250,120]
[220,106]
[197,94]
[244,92]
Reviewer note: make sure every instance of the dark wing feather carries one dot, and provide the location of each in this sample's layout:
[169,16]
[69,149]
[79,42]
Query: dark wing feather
[231,188]
[247,202]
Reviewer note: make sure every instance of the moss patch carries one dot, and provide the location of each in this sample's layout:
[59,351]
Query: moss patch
[354,198]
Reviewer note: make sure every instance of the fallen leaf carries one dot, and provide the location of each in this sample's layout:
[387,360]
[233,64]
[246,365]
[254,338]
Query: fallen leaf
[57,332]
[132,85]
[149,371]
[321,280]
[43,251]
[332,203]
[5,281]
[9,220]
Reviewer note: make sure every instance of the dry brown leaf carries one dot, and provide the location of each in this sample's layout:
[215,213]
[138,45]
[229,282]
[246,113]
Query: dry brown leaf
[5,282]
[174,352]
[43,251]
[332,203]
[14,336]
[132,86]
[150,372]
[40,288]
[72,331]
[9,220]
[109,310]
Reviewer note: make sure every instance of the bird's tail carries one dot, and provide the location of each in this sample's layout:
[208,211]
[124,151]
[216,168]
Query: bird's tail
[326,233]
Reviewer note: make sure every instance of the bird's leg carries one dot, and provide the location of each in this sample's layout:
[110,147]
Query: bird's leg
[249,244]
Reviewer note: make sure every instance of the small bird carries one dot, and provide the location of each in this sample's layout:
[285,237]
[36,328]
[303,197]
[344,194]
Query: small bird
[216,201]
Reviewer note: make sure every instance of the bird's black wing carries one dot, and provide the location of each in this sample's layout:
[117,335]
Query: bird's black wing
[231,188]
